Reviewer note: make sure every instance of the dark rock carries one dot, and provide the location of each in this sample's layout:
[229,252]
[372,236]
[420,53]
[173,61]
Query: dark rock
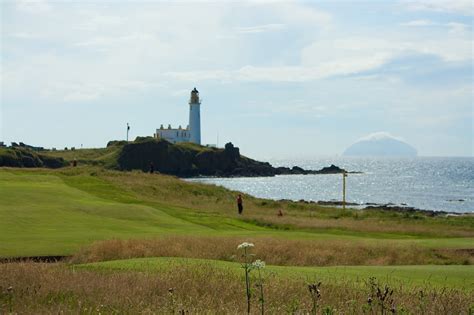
[410,210]
[333,169]
[335,203]
[231,151]
[296,170]
[283,171]
[190,160]
[186,160]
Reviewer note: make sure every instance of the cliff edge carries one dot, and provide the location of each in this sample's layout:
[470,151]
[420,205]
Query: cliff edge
[188,160]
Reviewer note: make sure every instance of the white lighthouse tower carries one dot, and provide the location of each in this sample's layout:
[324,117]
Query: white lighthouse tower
[195,117]
[190,134]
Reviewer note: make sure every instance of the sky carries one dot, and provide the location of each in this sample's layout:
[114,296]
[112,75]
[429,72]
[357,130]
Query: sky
[276,78]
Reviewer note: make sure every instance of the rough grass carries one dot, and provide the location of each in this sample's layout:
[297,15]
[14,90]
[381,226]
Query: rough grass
[275,251]
[297,215]
[46,212]
[459,277]
[203,288]
[101,156]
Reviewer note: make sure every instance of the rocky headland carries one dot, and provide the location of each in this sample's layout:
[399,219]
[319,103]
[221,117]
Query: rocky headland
[189,160]
[161,156]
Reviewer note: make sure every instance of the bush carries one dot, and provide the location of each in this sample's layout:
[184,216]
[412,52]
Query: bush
[23,157]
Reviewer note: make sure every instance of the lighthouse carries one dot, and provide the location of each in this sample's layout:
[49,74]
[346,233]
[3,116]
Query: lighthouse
[192,133]
[195,117]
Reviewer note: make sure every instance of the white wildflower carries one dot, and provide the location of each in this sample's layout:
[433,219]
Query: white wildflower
[258,264]
[245,245]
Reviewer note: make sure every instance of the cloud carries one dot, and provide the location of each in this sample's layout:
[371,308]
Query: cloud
[101,42]
[450,49]
[294,13]
[463,7]
[299,14]
[338,57]
[80,97]
[259,28]
[93,21]
[457,28]
[91,91]
[24,35]
[116,42]
[357,54]
[417,23]
[180,92]
[252,73]
[33,6]
[454,27]
[301,107]
[149,45]
[249,73]
[379,135]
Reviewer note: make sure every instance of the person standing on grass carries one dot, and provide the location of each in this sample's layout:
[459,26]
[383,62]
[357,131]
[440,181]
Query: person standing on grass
[240,205]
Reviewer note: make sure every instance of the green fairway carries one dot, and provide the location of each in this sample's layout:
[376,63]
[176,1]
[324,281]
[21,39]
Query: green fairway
[51,213]
[431,275]
[40,215]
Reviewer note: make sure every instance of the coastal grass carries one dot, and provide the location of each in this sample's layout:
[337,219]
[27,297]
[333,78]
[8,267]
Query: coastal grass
[297,215]
[56,212]
[436,276]
[276,251]
[182,286]
[106,157]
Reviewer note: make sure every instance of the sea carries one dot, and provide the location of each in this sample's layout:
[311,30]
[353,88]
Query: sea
[427,183]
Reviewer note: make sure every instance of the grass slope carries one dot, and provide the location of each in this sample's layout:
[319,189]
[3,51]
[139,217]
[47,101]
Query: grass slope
[55,212]
[40,215]
[460,277]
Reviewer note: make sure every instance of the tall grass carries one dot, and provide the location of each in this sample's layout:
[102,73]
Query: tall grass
[59,289]
[274,251]
[218,200]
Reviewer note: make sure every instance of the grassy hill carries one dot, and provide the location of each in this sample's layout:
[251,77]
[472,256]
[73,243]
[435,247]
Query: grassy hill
[120,227]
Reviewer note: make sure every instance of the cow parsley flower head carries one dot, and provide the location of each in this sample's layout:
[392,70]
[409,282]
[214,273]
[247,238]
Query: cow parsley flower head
[258,264]
[245,245]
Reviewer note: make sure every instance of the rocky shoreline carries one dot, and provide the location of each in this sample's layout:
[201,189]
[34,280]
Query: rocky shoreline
[295,170]
[402,208]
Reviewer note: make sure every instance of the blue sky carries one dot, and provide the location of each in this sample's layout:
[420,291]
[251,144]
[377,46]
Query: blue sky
[278,79]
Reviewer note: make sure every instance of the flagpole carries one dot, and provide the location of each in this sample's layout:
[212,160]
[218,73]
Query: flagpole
[344,175]
[128,128]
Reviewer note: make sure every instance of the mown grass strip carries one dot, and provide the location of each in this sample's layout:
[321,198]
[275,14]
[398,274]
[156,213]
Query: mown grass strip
[460,277]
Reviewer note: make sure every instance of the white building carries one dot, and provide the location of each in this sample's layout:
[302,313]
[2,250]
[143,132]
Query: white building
[192,133]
